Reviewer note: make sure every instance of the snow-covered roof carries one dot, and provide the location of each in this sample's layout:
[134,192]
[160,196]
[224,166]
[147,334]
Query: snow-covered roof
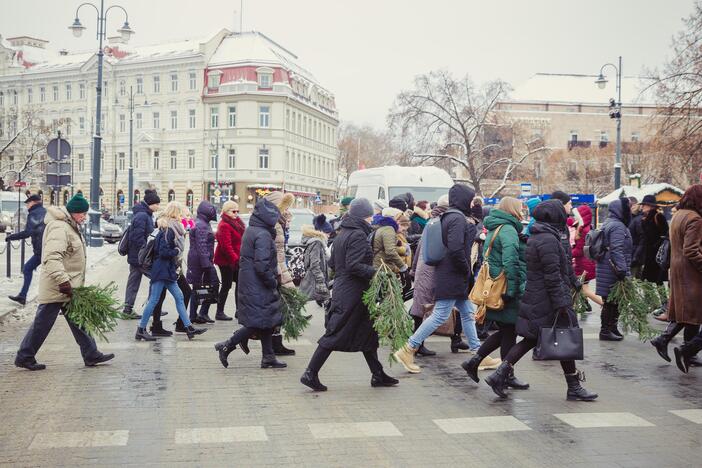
[581,89]
[638,193]
[159,51]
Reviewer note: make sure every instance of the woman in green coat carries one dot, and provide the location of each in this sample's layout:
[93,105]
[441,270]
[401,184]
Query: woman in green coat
[507,254]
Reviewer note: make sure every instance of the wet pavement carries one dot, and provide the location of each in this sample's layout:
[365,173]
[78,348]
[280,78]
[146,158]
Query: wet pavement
[171,403]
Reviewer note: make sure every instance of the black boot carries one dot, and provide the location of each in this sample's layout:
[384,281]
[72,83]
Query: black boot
[661,345]
[458,344]
[223,316]
[606,333]
[576,392]
[311,379]
[205,318]
[158,330]
[278,347]
[32,365]
[498,379]
[224,348]
[614,324]
[269,361]
[424,351]
[515,383]
[192,331]
[18,299]
[128,314]
[244,345]
[179,327]
[142,334]
[471,367]
[99,360]
[381,379]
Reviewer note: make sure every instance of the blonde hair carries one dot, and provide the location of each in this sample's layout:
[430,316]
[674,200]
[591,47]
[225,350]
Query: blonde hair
[229,206]
[172,211]
[511,206]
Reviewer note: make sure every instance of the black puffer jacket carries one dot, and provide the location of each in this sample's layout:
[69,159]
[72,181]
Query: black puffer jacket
[637,238]
[547,285]
[259,301]
[564,233]
[616,263]
[142,226]
[348,325]
[453,276]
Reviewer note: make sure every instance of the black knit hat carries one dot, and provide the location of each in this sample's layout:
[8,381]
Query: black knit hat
[151,198]
[560,195]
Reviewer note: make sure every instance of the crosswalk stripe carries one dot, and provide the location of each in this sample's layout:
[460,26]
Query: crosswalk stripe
[351,430]
[218,435]
[481,424]
[585,420]
[47,440]
[694,415]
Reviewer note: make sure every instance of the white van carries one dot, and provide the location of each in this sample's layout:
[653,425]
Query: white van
[10,204]
[385,183]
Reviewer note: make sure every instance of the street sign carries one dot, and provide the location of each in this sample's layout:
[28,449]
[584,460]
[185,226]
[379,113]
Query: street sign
[52,149]
[20,183]
[217,192]
[526,189]
[56,180]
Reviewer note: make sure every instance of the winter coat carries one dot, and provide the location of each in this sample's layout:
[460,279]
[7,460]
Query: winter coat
[547,284]
[637,239]
[385,245]
[686,268]
[582,264]
[418,222]
[286,278]
[62,256]
[423,284]
[348,325]
[229,233]
[564,232]
[259,301]
[508,255]
[166,253]
[655,228]
[619,250]
[314,284]
[404,249]
[142,226]
[34,228]
[453,276]
[201,268]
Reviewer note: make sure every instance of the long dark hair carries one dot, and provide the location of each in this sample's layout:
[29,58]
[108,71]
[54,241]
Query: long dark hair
[692,199]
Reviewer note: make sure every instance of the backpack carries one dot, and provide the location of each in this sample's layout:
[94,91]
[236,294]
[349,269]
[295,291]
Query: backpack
[663,254]
[433,247]
[595,245]
[147,253]
[123,246]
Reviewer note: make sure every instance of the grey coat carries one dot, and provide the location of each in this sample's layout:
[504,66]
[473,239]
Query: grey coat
[616,263]
[423,284]
[315,282]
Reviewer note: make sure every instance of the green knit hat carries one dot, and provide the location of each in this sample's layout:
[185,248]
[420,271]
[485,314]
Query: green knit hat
[346,201]
[78,204]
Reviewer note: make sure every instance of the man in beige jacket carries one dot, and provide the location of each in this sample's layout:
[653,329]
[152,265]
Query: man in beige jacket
[63,268]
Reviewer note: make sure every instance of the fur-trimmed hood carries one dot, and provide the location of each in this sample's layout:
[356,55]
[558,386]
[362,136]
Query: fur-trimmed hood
[309,233]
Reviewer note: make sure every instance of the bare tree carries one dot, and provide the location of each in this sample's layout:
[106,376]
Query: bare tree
[362,147]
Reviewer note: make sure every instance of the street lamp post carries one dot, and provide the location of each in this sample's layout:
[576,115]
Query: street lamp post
[615,112]
[126,32]
[216,151]
[130,186]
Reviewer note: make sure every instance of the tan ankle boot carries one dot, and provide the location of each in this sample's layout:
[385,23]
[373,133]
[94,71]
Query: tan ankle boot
[405,356]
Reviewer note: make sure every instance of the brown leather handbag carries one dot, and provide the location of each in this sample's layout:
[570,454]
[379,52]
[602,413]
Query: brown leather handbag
[487,291]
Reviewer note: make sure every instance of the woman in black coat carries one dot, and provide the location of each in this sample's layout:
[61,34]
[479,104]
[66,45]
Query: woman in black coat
[258,308]
[547,298]
[348,325]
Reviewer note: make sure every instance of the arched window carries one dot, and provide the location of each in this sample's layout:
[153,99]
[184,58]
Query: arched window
[189,199]
[171,195]
[66,196]
[120,200]
[137,197]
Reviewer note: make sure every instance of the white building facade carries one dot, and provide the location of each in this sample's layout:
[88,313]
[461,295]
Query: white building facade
[212,119]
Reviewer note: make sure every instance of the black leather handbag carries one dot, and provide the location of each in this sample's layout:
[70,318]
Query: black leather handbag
[206,294]
[560,344]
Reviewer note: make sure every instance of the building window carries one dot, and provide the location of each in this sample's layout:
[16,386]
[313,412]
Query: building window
[191,118]
[157,84]
[264,116]
[214,160]
[2,98]
[122,123]
[81,125]
[157,164]
[15,99]
[574,136]
[192,80]
[174,82]
[138,120]
[263,158]
[174,120]
[604,136]
[214,117]
[42,94]
[191,159]
[29,95]
[174,160]
[635,136]
[157,121]
[231,159]
[137,161]
[81,90]
[81,162]
[55,93]
[140,85]
[265,80]
[120,161]
[232,117]
[122,88]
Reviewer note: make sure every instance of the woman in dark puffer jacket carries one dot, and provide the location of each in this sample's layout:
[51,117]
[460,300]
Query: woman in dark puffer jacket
[201,270]
[547,298]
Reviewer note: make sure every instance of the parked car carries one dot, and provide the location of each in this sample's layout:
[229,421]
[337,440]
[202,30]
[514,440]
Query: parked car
[111,233]
[10,204]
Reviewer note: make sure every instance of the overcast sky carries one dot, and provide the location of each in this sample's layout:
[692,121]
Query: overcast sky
[366,51]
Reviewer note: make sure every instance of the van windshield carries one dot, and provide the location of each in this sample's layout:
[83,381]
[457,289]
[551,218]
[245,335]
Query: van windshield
[430,194]
[10,205]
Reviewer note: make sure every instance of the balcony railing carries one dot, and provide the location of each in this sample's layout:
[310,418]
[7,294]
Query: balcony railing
[579,144]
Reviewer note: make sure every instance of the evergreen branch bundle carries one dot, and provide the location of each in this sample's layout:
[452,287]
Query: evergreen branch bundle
[580,304]
[386,307]
[94,309]
[635,298]
[293,305]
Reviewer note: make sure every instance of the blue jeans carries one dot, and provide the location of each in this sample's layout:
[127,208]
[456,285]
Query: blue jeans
[442,310]
[28,270]
[154,296]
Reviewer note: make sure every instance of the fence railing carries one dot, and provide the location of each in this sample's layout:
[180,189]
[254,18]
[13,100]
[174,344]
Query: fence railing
[14,251]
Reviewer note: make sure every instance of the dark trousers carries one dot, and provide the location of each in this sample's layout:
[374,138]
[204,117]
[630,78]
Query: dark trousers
[185,289]
[133,283]
[229,276]
[245,333]
[504,338]
[321,355]
[40,328]
[27,271]
[526,345]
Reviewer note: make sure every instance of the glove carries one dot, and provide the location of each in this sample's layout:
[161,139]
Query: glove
[66,288]
[507,298]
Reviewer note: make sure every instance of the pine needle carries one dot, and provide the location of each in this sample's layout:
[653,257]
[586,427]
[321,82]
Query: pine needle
[580,300]
[293,306]
[94,309]
[635,298]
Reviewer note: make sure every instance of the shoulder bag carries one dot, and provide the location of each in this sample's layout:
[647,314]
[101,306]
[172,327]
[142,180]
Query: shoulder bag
[487,291]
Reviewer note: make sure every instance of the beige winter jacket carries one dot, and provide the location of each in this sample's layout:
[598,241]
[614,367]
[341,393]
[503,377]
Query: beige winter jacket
[62,257]
[286,279]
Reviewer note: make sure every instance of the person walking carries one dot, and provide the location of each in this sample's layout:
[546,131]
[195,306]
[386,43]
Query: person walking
[34,229]
[230,231]
[201,270]
[259,308]
[655,229]
[164,272]
[63,268]
[507,255]
[637,238]
[384,241]
[452,278]
[581,263]
[348,326]
[139,230]
[547,299]
[419,218]
[564,198]
[615,265]
[315,283]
